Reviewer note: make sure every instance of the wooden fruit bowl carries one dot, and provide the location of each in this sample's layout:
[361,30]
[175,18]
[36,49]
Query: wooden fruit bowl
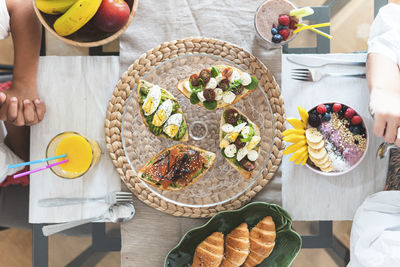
[89,35]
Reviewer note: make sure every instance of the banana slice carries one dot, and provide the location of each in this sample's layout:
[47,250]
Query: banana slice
[317,154]
[326,165]
[313,135]
[329,169]
[316,146]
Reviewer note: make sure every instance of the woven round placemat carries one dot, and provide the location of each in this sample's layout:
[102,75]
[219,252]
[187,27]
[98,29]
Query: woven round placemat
[167,51]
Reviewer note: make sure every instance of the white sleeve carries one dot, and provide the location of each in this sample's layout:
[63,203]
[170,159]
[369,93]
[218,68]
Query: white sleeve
[4,20]
[7,157]
[384,35]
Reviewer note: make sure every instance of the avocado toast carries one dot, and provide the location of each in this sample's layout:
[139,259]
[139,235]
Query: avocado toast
[161,112]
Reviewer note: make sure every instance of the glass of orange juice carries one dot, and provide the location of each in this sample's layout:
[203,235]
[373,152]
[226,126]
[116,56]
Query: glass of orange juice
[82,153]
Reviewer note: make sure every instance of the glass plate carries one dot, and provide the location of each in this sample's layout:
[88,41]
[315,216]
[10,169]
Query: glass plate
[222,182]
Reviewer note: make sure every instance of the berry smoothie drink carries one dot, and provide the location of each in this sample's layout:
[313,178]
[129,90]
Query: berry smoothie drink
[273,23]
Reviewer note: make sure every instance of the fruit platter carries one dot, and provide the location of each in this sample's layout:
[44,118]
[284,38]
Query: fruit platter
[331,138]
[197,130]
[86,22]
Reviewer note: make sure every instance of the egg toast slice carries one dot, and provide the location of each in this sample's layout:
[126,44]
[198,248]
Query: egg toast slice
[161,112]
[177,167]
[226,85]
[240,140]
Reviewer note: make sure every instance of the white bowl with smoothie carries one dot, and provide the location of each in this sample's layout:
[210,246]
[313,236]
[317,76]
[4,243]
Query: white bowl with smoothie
[275,13]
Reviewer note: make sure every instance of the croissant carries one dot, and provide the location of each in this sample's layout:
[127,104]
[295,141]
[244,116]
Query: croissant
[262,242]
[236,246]
[210,252]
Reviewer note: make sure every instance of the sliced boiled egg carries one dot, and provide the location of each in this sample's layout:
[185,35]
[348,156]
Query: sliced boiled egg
[252,155]
[224,143]
[163,113]
[212,84]
[173,123]
[254,142]
[228,97]
[152,100]
[218,94]
[230,151]
[227,128]
[235,76]
[242,152]
[246,78]
[231,137]
[245,132]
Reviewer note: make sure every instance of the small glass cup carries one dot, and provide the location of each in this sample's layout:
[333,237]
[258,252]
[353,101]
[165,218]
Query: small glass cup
[51,151]
[264,42]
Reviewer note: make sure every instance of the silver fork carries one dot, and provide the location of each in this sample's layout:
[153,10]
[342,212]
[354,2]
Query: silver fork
[110,198]
[314,75]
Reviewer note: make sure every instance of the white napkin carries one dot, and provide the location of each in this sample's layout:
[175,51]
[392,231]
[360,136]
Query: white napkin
[375,235]
[7,157]
[308,195]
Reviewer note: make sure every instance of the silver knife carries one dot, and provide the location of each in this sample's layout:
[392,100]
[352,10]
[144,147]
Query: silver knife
[317,61]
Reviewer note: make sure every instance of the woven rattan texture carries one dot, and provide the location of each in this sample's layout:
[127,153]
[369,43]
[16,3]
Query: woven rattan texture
[167,51]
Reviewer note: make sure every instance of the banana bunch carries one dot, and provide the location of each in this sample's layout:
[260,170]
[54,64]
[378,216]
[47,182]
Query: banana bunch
[76,13]
[297,136]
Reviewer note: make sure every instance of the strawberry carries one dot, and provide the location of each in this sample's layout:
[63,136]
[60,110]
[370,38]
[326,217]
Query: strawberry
[284,20]
[336,107]
[321,109]
[356,120]
[349,113]
[292,25]
[284,33]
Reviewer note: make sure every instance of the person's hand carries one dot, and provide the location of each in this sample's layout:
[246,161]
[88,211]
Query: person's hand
[386,107]
[21,107]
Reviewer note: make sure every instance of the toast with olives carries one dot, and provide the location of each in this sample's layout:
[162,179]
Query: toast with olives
[218,86]
[239,140]
[161,112]
[177,167]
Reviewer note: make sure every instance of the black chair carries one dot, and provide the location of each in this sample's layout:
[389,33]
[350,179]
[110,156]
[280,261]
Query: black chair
[5,73]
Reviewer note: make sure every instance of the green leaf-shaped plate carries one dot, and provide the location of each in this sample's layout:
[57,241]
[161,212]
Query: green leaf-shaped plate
[287,243]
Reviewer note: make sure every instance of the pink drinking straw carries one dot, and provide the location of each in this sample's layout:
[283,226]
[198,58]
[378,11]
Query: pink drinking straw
[40,169]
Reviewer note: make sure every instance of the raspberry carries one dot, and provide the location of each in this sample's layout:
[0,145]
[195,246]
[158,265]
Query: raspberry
[284,33]
[314,120]
[349,113]
[284,20]
[356,120]
[321,109]
[292,25]
[336,107]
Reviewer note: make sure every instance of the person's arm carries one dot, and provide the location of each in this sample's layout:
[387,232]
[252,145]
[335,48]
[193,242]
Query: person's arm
[21,106]
[383,76]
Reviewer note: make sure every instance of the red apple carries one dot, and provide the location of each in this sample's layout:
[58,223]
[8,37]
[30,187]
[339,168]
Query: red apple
[112,15]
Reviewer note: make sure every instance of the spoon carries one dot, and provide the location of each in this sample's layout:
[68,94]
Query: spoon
[384,149]
[116,213]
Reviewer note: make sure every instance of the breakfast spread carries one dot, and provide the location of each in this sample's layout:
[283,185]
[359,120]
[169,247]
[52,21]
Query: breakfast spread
[210,252]
[177,167]
[273,21]
[239,141]
[241,247]
[237,246]
[161,112]
[332,137]
[218,86]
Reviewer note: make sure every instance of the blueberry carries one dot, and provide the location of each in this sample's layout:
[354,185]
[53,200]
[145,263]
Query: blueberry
[351,128]
[341,113]
[356,130]
[277,38]
[328,108]
[344,108]
[326,117]
[362,130]
[281,27]
[274,31]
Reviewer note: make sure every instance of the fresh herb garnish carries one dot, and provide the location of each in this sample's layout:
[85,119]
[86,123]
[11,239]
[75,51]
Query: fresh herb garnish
[233,86]
[214,72]
[251,134]
[196,89]
[210,105]
[253,85]
[194,99]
